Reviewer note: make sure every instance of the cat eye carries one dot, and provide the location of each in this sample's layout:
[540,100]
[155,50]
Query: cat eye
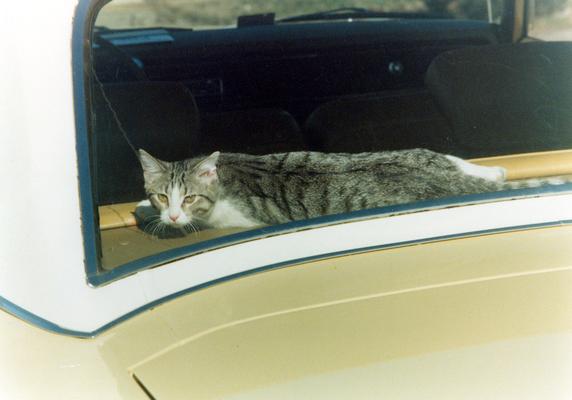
[162,198]
[190,199]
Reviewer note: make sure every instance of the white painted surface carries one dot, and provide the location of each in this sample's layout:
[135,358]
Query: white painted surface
[41,253]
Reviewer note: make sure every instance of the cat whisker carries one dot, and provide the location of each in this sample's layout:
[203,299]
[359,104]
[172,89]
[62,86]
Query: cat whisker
[151,226]
[190,227]
[154,227]
[161,228]
[150,230]
[148,227]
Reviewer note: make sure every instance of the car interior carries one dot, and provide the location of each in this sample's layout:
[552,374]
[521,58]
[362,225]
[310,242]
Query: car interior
[461,87]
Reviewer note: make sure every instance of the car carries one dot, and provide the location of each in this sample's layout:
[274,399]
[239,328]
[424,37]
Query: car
[457,297]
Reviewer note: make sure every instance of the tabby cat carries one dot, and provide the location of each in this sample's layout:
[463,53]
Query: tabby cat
[240,190]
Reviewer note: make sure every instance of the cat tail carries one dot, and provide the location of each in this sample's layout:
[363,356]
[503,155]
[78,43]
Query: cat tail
[536,182]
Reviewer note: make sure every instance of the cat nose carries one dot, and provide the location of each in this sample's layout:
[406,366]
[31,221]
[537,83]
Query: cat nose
[173,217]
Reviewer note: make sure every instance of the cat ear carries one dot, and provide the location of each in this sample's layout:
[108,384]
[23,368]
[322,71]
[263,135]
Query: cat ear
[206,170]
[152,167]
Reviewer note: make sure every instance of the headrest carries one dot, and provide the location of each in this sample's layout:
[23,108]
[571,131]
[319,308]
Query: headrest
[160,117]
[252,131]
[392,120]
[504,99]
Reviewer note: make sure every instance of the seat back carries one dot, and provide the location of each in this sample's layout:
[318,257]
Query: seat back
[160,117]
[254,131]
[505,99]
[384,121]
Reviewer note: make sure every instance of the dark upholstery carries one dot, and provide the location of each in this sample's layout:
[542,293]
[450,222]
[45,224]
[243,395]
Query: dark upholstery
[159,117]
[506,98]
[163,119]
[388,121]
[257,131]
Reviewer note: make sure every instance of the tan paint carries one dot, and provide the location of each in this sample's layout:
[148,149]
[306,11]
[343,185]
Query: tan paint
[532,165]
[366,310]
[478,317]
[303,344]
[519,166]
[123,245]
[35,364]
[117,215]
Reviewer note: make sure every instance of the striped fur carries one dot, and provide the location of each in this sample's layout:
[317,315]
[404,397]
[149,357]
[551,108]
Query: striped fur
[245,190]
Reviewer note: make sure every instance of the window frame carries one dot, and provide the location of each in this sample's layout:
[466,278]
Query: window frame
[86,14]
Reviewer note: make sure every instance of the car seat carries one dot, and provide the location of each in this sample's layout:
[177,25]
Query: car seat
[505,99]
[159,117]
[254,131]
[390,120]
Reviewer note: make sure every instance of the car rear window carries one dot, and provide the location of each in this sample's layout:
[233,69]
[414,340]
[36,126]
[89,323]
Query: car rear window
[430,75]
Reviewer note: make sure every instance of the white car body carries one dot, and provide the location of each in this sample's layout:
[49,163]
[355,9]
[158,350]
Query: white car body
[42,271]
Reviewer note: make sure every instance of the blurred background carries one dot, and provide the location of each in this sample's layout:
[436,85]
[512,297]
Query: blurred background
[552,18]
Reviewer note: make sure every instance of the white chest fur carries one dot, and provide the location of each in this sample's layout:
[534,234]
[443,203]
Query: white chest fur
[226,215]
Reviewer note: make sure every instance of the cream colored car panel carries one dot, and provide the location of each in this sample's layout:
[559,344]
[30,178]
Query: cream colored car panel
[466,307]
[346,337]
[529,368]
[461,310]
[342,315]
[36,364]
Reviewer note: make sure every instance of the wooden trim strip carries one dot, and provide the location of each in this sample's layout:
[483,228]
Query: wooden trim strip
[532,165]
[117,216]
[518,166]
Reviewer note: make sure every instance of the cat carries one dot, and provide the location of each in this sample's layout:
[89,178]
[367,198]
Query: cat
[227,190]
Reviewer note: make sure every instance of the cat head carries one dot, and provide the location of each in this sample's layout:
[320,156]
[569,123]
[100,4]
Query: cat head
[184,192]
